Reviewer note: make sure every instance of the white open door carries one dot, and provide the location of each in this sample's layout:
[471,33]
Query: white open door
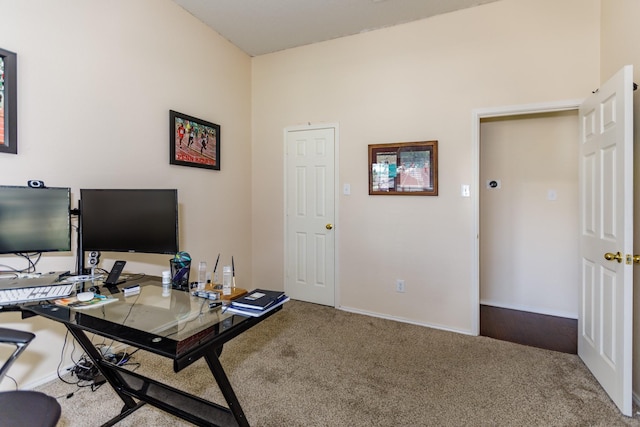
[605,312]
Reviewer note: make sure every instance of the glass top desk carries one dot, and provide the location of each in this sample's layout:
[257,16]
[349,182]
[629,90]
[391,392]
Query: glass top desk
[178,326]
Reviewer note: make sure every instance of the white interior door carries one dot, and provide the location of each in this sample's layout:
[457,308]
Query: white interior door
[310,215]
[605,312]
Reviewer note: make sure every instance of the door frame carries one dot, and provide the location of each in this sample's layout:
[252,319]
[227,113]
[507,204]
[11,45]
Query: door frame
[336,198]
[477,116]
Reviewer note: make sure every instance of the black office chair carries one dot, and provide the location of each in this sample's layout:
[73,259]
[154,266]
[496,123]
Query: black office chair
[21,407]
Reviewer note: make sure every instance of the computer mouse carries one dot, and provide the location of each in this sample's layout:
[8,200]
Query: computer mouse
[85,296]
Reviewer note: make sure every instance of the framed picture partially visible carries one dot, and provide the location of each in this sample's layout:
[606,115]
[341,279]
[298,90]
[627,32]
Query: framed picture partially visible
[8,102]
[404,169]
[194,142]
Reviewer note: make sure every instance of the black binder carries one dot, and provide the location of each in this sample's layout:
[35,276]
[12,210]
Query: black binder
[258,299]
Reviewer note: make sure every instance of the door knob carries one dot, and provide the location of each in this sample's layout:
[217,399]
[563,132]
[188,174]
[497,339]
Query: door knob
[610,257]
[329,226]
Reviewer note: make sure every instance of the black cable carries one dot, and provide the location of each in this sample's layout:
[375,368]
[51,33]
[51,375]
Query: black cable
[95,386]
[85,385]
[31,267]
[61,359]
[136,364]
[86,364]
[84,368]
[135,276]
[135,301]
[67,395]
[12,379]
[184,326]
[32,264]
[13,272]
[104,344]
[83,363]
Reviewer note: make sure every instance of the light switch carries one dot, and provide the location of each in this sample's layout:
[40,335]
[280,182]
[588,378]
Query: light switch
[465,191]
[552,195]
[346,189]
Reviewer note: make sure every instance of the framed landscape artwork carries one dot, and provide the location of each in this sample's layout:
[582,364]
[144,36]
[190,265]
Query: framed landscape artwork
[194,142]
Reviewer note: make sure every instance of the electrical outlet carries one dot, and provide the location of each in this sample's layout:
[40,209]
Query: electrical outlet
[399,285]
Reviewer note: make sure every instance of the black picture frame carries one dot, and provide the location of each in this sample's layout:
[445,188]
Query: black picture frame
[193,142]
[403,169]
[8,102]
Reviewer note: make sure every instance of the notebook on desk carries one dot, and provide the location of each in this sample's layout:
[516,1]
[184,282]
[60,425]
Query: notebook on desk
[258,299]
[44,279]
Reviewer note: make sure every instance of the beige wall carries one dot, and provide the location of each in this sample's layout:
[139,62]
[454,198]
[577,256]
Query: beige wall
[415,82]
[529,241]
[620,34]
[96,81]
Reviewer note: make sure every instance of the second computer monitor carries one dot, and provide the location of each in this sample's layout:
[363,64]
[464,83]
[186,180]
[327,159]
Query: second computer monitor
[129,220]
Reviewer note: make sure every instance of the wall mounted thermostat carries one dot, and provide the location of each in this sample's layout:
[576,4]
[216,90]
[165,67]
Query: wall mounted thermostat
[494,184]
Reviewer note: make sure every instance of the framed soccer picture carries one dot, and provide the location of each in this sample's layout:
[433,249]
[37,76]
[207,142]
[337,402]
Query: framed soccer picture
[193,142]
[404,169]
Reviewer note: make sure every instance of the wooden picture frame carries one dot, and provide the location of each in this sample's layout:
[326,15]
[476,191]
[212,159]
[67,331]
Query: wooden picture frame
[404,169]
[193,142]
[8,102]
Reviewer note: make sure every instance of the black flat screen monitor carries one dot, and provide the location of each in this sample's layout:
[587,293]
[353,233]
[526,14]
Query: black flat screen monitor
[34,219]
[121,220]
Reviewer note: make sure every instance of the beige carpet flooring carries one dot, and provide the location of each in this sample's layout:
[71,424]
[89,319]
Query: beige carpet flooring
[312,365]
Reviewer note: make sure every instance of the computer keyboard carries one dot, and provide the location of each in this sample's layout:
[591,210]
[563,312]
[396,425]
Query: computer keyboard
[36,293]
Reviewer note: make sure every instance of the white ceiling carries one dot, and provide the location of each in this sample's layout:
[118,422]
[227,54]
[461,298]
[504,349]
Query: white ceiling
[264,26]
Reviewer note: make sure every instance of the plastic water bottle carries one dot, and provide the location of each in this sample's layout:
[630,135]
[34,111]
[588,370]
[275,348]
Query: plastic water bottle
[202,275]
[166,283]
[226,280]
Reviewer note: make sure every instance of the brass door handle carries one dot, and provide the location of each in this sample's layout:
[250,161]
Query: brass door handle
[329,226]
[610,257]
[636,259]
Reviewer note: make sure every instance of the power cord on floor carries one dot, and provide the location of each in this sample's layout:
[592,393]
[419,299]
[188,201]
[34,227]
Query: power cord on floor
[88,374]
[84,369]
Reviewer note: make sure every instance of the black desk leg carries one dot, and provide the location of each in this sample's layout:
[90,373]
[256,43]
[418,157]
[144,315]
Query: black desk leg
[225,387]
[96,357]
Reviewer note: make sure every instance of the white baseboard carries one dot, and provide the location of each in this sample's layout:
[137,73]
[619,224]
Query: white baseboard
[530,309]
[404,320]
[43,380]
